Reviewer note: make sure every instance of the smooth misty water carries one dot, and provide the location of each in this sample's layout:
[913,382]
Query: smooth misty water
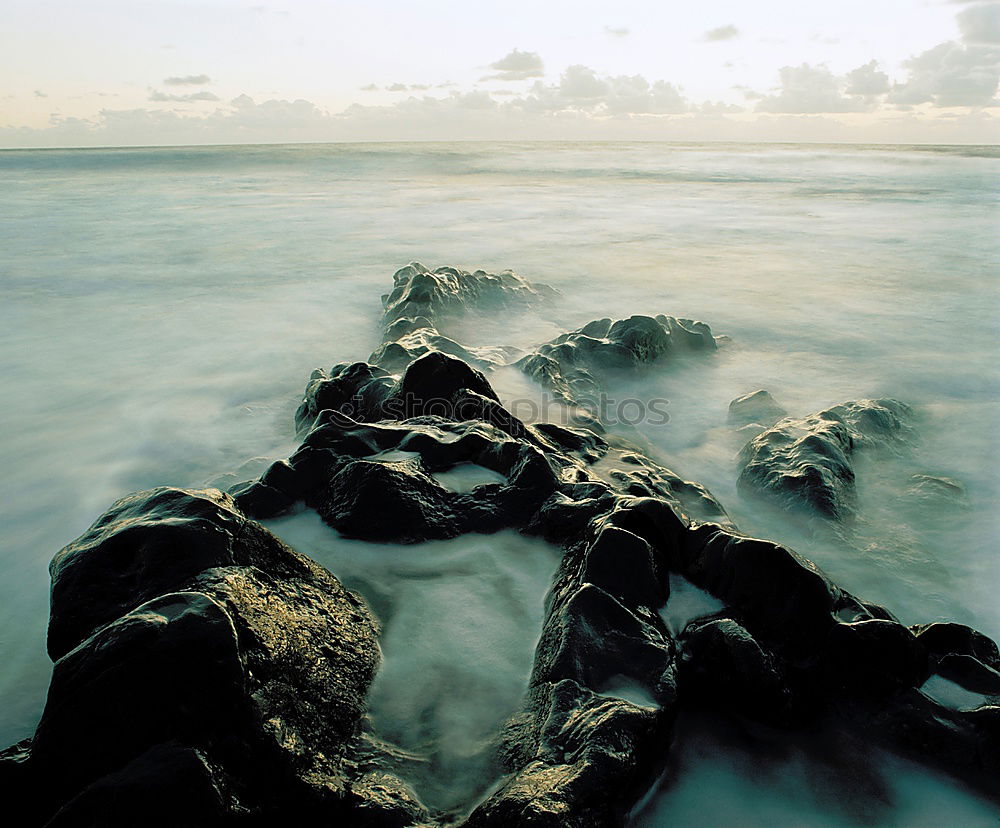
[160,312]
[460,621]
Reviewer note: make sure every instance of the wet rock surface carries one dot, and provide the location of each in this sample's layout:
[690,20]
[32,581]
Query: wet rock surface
[757,407]
[808,461]
[575,365]
[194,653]
[207,674]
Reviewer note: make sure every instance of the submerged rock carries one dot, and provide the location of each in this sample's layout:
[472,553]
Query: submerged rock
[756,407]
[434,295]
[807,461]
[575,365]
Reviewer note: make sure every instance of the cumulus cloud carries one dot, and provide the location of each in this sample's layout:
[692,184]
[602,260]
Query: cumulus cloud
[517,65]
[867,80]
[581,89]
[163,97]
[811,89]
[40,94]
[980,24]
[617,31]
[951,74]
[396,87]
[727,32]
[370,88]
[187,80]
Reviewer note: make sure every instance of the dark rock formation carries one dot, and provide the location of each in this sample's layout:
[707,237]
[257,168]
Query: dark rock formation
[575,365]
[206,674]
[756,407]
[199,663]
[807,462]
[435,295]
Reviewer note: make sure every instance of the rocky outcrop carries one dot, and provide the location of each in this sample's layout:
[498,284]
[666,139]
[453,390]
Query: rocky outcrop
[198,660]
[576,365]
[207,674]
[435,295]
[423,303]
[807,461]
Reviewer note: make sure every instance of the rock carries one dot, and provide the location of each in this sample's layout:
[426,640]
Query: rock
[429,387]
[590,637]
[421,338]
[807,462]
[724,666]
[948,638]
[198,661]
[356,390]
[874,657]
[756,407]
[932,490]
[206,674]
[167,786]
[575,365]
[782,597]
[579,760]
[385,502]
[623,565]
[447,291]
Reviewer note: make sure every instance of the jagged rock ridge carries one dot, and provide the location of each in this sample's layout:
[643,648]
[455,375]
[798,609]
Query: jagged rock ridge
[252,661]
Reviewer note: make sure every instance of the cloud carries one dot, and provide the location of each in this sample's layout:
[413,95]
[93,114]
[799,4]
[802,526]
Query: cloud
[162,97]
[40,94]
[397,87]
[619,31]
[187,80]
[951,74]
[370,88]
[580,83]
[748,93]
[867,80]
[980,24]
[517,65]
[626,110]
[810,89]
[580,89]
[727,32]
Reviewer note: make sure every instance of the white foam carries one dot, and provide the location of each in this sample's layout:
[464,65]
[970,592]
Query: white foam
[627,689]
[467,476]
[719,778]
[394,456]
[461,619]
[685,603]
[947,692]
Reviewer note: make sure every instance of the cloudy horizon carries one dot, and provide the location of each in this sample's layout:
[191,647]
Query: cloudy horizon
[223,72]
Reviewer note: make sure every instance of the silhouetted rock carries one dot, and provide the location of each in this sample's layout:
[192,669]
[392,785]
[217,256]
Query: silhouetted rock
[198,660]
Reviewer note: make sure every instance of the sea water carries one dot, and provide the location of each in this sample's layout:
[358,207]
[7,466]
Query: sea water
[161,309]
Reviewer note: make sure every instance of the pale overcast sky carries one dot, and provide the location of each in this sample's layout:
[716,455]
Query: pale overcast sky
[215,71]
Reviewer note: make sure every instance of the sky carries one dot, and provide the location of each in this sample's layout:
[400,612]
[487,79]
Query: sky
[154,72]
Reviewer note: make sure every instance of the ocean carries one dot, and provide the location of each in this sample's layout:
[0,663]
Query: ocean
[161,310]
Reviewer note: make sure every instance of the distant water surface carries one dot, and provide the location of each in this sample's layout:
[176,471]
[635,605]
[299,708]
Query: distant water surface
[161,309]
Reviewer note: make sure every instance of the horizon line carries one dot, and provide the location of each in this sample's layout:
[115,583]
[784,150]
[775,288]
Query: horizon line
[425,141]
